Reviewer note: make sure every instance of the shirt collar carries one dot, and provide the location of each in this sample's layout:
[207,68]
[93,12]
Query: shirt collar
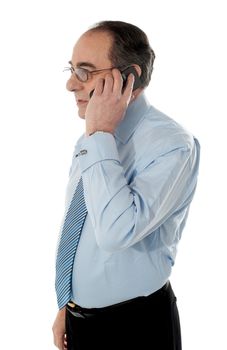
[133,116]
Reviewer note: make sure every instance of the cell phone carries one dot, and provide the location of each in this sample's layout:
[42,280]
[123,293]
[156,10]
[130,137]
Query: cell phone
[125,73]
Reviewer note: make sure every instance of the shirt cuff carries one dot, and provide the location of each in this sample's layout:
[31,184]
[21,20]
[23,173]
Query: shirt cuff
[95,148]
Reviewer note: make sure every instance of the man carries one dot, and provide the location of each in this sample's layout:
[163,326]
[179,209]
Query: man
[131,182]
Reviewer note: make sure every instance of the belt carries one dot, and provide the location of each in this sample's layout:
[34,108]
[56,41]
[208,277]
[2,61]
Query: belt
[82,312]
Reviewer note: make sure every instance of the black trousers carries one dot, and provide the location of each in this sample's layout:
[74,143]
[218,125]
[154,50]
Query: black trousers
[150,322]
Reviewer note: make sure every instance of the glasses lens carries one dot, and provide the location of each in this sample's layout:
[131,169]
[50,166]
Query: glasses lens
[81,74]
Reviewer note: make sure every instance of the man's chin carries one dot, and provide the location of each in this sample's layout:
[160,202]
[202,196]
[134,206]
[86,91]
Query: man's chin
[82,116]
[81,113]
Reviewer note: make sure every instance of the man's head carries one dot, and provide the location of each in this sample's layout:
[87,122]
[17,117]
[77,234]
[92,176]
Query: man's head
[106,45]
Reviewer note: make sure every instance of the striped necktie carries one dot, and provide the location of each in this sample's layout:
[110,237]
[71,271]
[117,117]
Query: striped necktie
[69,240]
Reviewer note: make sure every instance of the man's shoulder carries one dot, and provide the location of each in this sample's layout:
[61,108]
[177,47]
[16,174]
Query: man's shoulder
[158,129]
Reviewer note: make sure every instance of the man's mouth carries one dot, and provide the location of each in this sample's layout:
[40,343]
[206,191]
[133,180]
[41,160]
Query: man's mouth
[79,101]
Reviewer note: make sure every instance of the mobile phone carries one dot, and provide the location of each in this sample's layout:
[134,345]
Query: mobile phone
[125,73]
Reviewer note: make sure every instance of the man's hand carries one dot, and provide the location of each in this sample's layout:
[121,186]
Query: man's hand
[58,329]
[107,107]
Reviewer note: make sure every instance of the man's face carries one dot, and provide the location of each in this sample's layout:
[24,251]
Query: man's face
[90,52]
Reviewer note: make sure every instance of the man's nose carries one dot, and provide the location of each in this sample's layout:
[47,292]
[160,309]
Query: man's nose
[73,83]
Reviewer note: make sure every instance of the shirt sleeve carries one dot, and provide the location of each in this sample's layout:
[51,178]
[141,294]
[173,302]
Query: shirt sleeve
[124,213]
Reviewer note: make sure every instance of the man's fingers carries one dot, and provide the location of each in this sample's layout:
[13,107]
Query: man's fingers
[129,87]
[99,87]
[65,342]
[108,86]
[118,81]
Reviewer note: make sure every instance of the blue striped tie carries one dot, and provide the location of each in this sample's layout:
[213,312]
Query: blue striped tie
[70,237]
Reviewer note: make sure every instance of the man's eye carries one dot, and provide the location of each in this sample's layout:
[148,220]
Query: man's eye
[82,73]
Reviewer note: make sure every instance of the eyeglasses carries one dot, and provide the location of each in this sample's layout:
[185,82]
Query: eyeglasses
[83,74]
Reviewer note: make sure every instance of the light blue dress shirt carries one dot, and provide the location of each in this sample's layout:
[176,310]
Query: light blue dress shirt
[138,186]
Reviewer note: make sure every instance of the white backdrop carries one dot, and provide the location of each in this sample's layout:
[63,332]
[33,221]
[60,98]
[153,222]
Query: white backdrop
[39,127]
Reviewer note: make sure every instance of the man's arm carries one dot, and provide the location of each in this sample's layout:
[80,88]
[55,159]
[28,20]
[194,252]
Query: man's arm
[121,213]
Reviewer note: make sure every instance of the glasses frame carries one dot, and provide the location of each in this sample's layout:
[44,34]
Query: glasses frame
[91,72]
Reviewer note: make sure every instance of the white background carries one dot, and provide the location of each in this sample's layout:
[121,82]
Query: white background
[39,127]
